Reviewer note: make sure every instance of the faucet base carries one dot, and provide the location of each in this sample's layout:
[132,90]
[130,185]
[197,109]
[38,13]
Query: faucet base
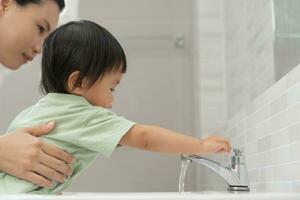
[238,188]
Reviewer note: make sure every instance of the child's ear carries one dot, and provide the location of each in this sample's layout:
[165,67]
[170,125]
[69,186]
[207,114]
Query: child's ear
[72,87]
[4,5]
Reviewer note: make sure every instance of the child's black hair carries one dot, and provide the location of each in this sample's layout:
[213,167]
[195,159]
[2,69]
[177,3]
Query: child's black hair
[60,3]
[82,46]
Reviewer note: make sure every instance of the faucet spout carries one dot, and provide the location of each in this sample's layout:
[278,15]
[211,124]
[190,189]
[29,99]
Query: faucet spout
[235,175]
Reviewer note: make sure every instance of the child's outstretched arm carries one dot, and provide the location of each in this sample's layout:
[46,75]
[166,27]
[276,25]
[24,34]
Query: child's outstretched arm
[153,138]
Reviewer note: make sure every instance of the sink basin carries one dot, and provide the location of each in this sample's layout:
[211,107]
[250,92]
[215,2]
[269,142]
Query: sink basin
[206,195]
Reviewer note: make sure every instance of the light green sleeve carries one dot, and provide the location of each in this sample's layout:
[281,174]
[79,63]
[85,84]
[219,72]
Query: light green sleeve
[103,131]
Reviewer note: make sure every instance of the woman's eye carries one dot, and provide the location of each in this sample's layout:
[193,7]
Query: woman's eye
[112,89]
[41,29]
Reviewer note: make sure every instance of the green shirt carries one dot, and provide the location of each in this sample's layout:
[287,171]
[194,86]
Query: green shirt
[83,130]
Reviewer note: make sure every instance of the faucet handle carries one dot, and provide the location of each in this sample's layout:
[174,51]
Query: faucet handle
[238,152]
[238,157]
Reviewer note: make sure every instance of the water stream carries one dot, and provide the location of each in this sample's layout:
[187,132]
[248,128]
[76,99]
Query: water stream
[184,165]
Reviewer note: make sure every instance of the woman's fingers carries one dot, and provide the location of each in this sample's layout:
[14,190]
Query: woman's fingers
[37,179]
[60,167]
[47,172]
[50,149]
[21,153]
[53,160]
[40,130]
[57,153]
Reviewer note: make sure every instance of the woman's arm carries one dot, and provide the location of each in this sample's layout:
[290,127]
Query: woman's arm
[28,157]
[154,138]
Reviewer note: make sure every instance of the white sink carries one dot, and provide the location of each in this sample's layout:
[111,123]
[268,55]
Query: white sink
[208,195]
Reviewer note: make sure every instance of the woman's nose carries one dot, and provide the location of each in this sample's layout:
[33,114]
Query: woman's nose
[37,49]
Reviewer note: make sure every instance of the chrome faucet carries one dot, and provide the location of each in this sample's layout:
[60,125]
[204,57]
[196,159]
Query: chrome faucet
[235,175]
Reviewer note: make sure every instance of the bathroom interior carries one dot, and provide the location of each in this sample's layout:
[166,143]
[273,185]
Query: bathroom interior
[201,67]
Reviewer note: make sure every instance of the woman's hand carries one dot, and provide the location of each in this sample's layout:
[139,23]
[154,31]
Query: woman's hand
[28,157]
[214,144]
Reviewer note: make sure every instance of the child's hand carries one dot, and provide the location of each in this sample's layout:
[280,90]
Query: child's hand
[214,144]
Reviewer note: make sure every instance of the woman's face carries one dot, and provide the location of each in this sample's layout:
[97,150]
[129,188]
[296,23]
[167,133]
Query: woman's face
[24,29]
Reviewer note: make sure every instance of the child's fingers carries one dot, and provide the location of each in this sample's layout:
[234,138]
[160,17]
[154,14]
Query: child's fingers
[218,137]
[224,140]
[223,146]
[222,151]
[228,146]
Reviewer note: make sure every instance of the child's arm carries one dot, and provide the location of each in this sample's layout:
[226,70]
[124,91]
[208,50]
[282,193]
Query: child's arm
[153,138]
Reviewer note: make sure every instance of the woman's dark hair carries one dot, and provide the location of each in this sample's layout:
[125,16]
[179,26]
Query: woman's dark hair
[60,3]
[82,46]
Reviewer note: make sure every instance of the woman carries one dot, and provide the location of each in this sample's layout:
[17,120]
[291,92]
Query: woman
[24,24]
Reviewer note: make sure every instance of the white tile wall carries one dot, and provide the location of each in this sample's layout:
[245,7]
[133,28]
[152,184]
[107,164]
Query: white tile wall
[264,121]
[211,77]
[269,133]
[249,50]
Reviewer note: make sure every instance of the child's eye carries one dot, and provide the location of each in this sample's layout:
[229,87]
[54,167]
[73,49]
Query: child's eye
[112,89]
[41,29]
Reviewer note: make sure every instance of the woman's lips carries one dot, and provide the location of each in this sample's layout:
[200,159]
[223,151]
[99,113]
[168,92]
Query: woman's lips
[27,58]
